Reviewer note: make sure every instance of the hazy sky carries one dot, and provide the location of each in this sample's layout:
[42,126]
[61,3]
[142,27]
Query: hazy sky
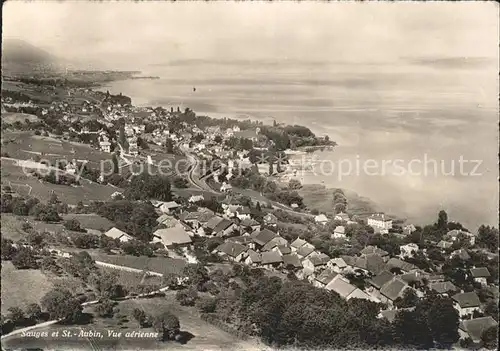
[153,32]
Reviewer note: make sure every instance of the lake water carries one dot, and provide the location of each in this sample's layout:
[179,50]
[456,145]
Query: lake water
[376,112]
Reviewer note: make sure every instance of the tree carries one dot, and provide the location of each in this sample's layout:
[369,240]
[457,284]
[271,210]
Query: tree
[61,304]
[410,328]
[196,273]
[206,304]
[24,259]
[488,237]
[167,325]
[16,315]
[187,297]
[443,321]
[8,250]
[171,280]
[105,308]
[442,222]
[86,241]
[218,139]
[169,146]
[180,182]
[140,316]
[489,338]
[33,312]
[106,285]
[74,225]
[410,299]
[116,165]
[294,184]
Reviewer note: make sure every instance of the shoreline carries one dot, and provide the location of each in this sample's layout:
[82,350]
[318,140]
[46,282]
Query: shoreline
[353,195]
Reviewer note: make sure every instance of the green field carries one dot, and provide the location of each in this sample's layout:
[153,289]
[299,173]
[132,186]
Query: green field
[15,177]
[11,227]
[130,280]
[21,287]
[162,265]
[12,117]
[91,221]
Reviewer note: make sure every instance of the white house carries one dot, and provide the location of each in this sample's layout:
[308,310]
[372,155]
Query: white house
[466,303]
[408,250]
[480,275]
[116,233]
[104,144]
[225,187]
[339,232]
[380,223]
[169,207]
[321,219]
[342,217]
[196,198]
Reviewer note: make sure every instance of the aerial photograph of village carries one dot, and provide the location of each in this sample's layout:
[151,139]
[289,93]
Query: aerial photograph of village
[249,175]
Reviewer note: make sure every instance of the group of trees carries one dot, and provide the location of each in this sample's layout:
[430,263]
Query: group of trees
[339,201]
[58,178]
[17,317]
[135,218]
[32,206]
[239,144]
[145,186]
[22,257]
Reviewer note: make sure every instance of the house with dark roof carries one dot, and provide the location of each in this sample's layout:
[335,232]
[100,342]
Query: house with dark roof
[474,328]
[305,251]
[282,249]
[324,278]
[270,219]
[254,258]
[466,303]
[250,223]
[263,237]
[315,263]
[297,244]
[480,275]
[443,288]
[393,289]
[341,286]
[271,259]
[371,263]
[291,261]
[461,254]
[337,264]
[231,251]
[174,236]
[224,228]
[374,250]
[381,279]
[396,263]
[274,242]
[241,239]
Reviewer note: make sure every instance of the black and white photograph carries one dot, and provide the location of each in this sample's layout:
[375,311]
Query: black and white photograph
[249,175]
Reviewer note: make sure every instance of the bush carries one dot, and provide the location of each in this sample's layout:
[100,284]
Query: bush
[206,305]
[24,259]
[187,297]
[105,308]
[180,182]
[73,225]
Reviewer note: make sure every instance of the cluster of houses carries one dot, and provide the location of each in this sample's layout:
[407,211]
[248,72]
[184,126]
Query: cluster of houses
[259,244]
